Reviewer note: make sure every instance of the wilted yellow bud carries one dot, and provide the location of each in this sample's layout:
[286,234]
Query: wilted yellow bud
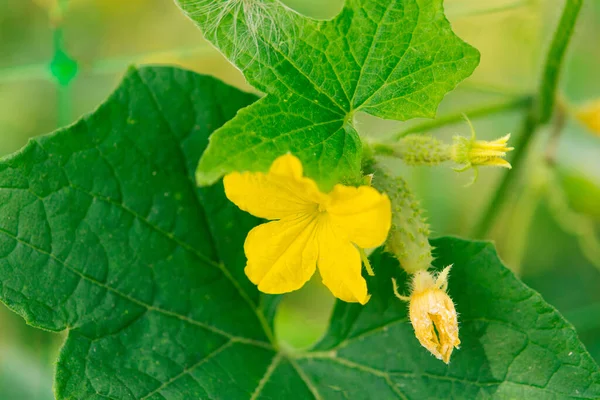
[432,313]
[589,116]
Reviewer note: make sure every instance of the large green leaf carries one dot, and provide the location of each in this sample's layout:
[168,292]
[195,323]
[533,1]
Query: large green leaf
[514,345]
[104,234]
[392,59]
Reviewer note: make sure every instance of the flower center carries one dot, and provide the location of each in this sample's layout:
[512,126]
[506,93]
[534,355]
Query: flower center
[322,208]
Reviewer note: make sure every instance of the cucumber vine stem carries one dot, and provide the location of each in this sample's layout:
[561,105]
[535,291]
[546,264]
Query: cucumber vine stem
[538,114]
[515,103]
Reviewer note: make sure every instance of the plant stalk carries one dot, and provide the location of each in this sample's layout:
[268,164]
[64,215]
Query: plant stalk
[538,114]
[516,103]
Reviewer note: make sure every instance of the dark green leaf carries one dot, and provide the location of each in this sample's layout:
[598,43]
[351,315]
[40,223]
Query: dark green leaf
[104,234]
[514,345]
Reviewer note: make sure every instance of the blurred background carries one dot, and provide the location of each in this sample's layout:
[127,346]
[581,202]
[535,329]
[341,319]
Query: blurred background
[59,59]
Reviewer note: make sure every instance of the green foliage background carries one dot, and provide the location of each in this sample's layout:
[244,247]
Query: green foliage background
[510,34]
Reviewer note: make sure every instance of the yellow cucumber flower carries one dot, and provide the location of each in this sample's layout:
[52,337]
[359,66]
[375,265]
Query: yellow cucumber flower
[589,116]
[432,313]
[308,228]
[473,153]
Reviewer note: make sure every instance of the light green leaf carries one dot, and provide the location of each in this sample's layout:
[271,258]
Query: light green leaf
[104,234]
[392,59]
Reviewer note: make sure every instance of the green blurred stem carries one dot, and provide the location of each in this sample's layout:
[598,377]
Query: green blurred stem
[557,130]
[113,65]
[488,88]
[469,12]
[521,218]
[63,101]
[64,105]
[25,73]
[382,149]
[547,94]
[538,114]
[537,184]
[516,103]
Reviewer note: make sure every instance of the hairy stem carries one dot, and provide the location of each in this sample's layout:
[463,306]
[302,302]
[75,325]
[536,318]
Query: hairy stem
[538,114]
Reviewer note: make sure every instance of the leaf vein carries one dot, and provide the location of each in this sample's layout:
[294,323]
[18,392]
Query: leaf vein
[138,301]
[305,379]
[189,369]
[270,369]
[376,34]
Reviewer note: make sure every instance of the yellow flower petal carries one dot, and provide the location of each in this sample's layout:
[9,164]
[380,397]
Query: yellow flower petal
[282,255]
[589,116]
[280,193]
[288,166]
[499,163]
[340,265]
[362,213]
